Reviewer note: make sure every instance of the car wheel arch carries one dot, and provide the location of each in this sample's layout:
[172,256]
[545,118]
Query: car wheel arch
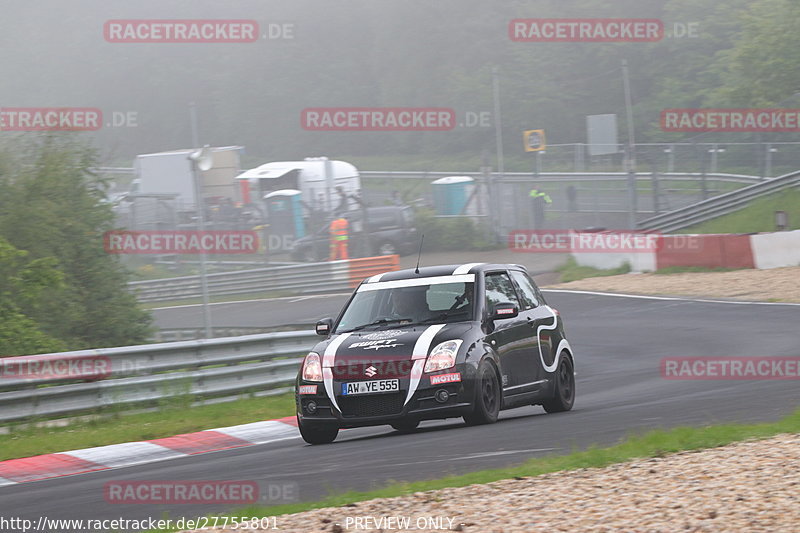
[493,360]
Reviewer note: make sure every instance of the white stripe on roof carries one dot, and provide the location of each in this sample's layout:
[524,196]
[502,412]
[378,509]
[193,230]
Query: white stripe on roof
[463,269]
[416,282]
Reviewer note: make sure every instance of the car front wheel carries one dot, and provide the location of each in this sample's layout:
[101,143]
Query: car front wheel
[487,397]
[387,248]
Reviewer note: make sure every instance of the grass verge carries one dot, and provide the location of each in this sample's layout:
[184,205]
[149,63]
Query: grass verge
[657,443]
[173,418]
[758,216]
[571,271]
[681,269]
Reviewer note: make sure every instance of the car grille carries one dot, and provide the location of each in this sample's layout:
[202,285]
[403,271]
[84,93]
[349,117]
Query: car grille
[384,369]
[371,405]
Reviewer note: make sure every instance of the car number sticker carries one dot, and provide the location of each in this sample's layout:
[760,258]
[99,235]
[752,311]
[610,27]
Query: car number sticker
[370,387]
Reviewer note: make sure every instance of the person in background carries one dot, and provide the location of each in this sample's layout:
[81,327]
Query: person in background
[339,235]
[540,201]
[572,198]
[396,200]
[343,206]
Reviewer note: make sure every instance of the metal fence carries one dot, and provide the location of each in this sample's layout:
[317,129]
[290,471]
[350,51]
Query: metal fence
[719,205]
[309,278]
[190,333]
[225,368]
[600,199]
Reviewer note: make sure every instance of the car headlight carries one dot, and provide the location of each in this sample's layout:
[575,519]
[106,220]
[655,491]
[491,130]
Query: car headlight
[312,367]
[443,356]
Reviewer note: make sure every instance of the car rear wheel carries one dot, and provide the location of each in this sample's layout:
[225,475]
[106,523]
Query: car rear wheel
[302,256]
[564,393]
[487,397]
[317,433]
[405,426]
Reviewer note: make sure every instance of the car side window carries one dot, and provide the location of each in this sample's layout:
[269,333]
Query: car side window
[527,289]
[499,289]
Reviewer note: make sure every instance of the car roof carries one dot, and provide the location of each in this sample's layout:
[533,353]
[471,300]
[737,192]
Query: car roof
[442,270]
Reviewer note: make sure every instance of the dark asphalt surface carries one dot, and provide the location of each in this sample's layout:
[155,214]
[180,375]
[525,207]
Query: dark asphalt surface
[255,313]
[618,343]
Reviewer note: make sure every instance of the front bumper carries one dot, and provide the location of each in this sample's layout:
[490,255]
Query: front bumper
[385,408]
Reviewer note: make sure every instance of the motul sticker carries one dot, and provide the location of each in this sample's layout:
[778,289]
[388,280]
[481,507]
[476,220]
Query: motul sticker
[307,389]
[438,379]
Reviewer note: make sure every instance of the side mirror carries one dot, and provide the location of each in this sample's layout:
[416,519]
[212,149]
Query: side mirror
[504,310]
[324,326]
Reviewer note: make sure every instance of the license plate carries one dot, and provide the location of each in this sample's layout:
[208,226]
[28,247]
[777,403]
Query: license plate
[370,387]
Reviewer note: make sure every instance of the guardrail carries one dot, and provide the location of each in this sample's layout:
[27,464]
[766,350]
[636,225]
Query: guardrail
[187,334]
[308,278]
[516,176]
[718,205]
[562,176]
[41,385]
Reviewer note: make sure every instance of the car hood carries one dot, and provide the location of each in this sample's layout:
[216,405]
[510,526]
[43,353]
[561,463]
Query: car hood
[396,342]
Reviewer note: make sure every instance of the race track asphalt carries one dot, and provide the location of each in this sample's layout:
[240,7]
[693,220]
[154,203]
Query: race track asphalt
[618,345]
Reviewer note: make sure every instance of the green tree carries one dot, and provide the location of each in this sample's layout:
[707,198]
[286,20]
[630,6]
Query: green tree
[763,67]
[51,205]
[22,282]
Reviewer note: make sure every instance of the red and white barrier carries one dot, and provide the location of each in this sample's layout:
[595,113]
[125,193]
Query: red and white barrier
[762,250]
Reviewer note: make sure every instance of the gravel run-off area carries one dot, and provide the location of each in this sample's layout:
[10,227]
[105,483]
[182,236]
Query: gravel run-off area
[750,486]
[773,285]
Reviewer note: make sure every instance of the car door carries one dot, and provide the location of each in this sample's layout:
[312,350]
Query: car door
[511,336]
[537,318]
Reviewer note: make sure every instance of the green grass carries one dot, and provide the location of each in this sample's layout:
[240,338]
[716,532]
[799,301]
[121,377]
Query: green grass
[174,418]
[571,271]
[758,216]
[657,443]
[680,269]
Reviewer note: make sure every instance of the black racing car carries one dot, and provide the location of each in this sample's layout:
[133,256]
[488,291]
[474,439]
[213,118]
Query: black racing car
[437,342]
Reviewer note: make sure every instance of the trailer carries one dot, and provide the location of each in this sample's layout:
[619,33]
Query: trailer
[170,173]
[319,180]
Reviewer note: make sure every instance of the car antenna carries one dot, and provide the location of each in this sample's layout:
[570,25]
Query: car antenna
[416,270]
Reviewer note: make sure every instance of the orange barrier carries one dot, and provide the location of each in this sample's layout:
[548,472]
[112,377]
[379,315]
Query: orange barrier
[365,267]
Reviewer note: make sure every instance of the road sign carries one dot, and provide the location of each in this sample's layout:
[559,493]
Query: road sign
[601,131]
[534,140]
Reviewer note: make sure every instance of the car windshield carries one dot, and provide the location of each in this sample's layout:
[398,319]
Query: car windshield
[396,303]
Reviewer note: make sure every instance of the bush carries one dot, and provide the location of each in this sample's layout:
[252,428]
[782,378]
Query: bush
[452,233]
